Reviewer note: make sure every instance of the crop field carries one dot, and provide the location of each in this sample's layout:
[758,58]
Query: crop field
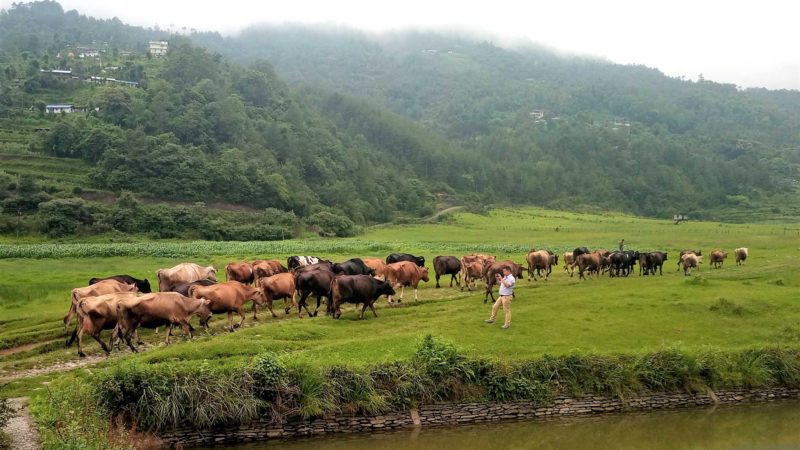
[731,308]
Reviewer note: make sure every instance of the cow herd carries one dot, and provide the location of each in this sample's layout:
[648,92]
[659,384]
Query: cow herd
[124,304]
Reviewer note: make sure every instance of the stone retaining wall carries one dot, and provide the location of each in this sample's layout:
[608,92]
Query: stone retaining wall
[461,413]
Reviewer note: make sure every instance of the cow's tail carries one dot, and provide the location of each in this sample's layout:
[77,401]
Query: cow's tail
[228,272]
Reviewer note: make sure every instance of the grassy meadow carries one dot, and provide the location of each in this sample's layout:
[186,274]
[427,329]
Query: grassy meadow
[728,309]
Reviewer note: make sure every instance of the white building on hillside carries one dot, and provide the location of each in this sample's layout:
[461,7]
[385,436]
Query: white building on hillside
[159,48]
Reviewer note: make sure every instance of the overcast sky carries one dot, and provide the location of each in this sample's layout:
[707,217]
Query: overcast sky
[748,43]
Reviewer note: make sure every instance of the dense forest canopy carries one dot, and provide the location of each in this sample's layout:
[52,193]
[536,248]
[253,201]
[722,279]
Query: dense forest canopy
[339,128]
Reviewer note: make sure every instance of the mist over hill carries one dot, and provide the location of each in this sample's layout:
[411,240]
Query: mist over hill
[341,128]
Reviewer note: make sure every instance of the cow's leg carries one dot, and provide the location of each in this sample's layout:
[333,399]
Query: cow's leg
[437,281]
[269,307]
[241,320]
[96,337]
[416,299]
[402,291]
[169,333]
[372,307]
[73,336]
[127,336]
[255,310]
[230,321]
[187,328]
[79,333]
[72,311]
[363,309]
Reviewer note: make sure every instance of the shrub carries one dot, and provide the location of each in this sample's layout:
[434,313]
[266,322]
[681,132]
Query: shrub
[332,224]
[6,412]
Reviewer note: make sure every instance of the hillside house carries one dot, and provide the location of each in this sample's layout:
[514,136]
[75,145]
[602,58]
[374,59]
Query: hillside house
[59,108]
[159,48]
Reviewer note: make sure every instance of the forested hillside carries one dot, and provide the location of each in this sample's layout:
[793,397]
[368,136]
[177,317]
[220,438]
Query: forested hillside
[265,134]
[559,130]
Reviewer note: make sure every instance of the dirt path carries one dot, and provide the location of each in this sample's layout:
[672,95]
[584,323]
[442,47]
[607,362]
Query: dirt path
[23,348]
[443,212]
[21,428]
[58,367]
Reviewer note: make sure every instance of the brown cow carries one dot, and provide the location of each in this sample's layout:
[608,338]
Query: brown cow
[685,252]
[99,288]
[405,273]
[497,268]
[241,272]
[267,268]
[593,262]
[183,273]
[568,263]
[690,260]
[96,314]
[159,309]
[469,260]
[741,255]
[378,266]
[281,285]
[471,273]
[539,260]
[718,257]
[228,297]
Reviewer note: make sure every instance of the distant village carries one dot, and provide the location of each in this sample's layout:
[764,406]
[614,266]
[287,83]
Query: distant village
[155,48]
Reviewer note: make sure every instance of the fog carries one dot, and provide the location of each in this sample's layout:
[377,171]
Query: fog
[750,44]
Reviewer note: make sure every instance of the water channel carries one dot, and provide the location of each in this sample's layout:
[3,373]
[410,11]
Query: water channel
[756,426]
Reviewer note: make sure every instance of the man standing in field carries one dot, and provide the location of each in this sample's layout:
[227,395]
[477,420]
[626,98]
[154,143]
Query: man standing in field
[506,282]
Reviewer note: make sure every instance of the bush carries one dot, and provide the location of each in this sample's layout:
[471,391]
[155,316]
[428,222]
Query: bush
[331,224]
[62,217]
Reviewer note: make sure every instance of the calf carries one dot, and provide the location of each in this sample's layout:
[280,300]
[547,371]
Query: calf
[228,297]
[356,289]
[447,265]
[741,255]
[142,285]
[405,273]
[99,288]
[718,257]
[279,286]
[568,263]
[159,309]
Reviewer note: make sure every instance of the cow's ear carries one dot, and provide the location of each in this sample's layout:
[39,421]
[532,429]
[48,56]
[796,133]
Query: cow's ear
[206,302]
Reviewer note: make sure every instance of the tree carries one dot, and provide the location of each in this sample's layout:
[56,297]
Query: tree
[61,217]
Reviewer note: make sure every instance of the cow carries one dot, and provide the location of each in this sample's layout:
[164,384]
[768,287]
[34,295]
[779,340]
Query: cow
[718,257]
[644,264]
[315,282]
[621,263]
[183,289]
[447,265]
[656,260]
[405,273]
[160,309]
[96,314]
[142,285]
[241,272]
[591,262]
[293,262]
[322,265]
[397,257]
[281,285]
[471,272]
[579,251]
[357,289]
[690,260]
[741,255]
[228,297]
[497,268]
[99,288]
[377,265]
[539,260]
[683,252]
[353,266]
[267,268]
[183,273]
[568,263]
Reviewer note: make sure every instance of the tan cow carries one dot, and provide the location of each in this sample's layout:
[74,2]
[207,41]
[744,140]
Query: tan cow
[690,260]
[183,273]
[741,255]
[241,272]
[467,264]
[96,314]
[539,260]
[405,273]
[568,263]
[377,265]
[267,268]
[100,288]
[281,285]
[159,309]
[228,297]
[717,258]
[471,273]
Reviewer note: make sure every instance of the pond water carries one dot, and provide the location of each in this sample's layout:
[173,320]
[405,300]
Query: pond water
[756,426]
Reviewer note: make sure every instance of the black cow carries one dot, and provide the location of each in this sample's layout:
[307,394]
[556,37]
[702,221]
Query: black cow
[315,282]
[447,265]
[397,257]
[357,289]
[633,257]
[183,289]
[293,262]
[142,285]
[354,266]
[618,263]
[656,259]
[579,251]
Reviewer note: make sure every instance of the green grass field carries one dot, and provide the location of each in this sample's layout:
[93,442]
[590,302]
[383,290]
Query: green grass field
[728,309]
